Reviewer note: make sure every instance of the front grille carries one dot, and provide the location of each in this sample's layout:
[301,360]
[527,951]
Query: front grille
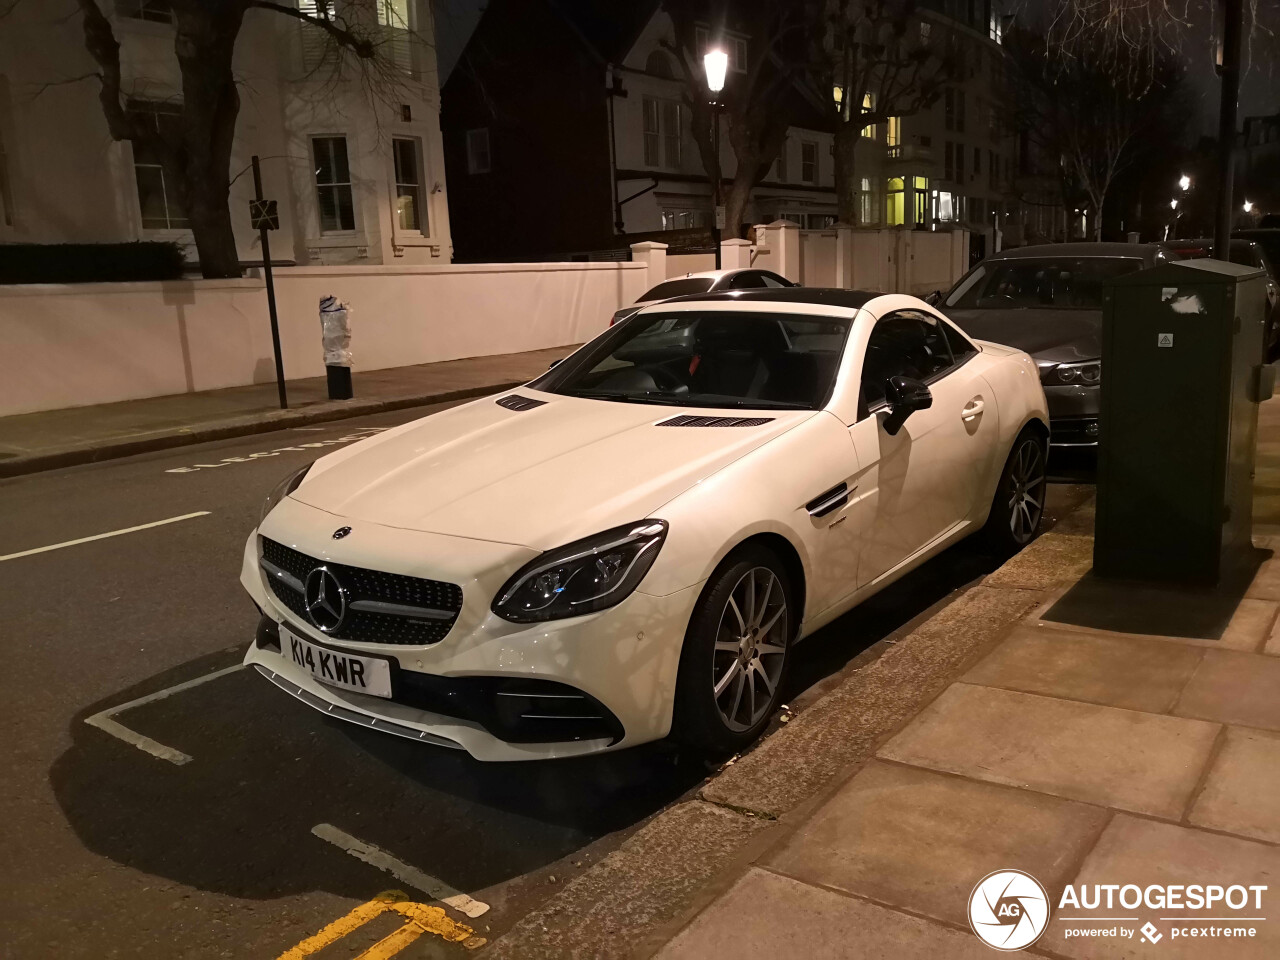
[361,584]
[1073,431]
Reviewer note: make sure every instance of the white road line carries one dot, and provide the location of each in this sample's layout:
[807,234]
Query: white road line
[106,719]
[376,857]
[102,536]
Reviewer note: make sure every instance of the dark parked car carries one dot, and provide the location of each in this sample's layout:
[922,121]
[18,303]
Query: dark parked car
[1047,300]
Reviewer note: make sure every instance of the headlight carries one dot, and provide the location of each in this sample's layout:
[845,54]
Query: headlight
[282,490]
[1088,373]
[582,577]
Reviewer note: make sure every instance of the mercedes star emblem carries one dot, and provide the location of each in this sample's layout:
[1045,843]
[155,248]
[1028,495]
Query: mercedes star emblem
[341,532]
[325,599]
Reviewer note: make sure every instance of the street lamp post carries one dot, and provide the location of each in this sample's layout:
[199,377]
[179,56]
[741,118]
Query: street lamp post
[716,65]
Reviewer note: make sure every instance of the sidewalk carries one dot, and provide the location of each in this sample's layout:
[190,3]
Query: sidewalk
[58,438]
[1114,736]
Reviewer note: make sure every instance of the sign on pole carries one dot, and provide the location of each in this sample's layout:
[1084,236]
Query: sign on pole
[263,215]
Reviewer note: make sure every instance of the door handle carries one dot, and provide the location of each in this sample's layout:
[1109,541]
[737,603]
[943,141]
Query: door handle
[972,409]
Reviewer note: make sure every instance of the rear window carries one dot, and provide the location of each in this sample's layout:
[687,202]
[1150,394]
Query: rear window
[1070,283]
[684,287]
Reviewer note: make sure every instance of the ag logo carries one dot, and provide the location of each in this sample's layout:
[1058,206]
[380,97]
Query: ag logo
[1008,910]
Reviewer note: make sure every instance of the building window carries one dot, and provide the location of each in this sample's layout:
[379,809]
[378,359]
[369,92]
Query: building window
[737,50]
[157,11]
[893,134]
[394,13]
[920,191]
[959,111]
[926,28]
[949,108]
[895,202]
[960,164]
[819,221]
[410,213]
[949,163]
[866,203]
[158,200]
[333,185]
[671,132]
[868,105]
[659,65]
[946,206]
[977,161]
[684,219]
[808,161]
[652,133]
[479,159]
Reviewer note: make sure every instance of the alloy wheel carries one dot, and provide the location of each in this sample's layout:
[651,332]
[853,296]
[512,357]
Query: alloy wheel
[751,648]
[1026,490]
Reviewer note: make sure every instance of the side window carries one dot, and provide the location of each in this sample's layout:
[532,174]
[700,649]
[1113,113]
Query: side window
[772,281]
[747,280]
[903,344]
[961,349]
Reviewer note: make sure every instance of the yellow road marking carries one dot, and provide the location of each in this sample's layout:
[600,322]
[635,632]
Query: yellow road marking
[420,918]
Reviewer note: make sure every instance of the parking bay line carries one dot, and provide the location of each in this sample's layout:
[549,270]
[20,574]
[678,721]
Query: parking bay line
[102,536]
[376,857]
[105,720]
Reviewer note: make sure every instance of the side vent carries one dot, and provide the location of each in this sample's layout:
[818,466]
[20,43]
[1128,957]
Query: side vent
[686,420]
[513,401]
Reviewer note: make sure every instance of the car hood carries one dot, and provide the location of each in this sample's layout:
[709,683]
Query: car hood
[1050,336]
[537,478]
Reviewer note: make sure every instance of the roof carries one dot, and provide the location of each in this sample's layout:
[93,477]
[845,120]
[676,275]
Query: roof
[608,29]
[1144,250]
[820,296]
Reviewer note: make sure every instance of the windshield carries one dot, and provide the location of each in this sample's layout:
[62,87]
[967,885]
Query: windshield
[684,287]
[708,359]
[1073,283]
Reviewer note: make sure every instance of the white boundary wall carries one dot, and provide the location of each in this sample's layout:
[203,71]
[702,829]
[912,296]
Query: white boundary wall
[77,344]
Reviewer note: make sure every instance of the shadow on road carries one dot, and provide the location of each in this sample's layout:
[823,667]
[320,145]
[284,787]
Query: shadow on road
[266,769]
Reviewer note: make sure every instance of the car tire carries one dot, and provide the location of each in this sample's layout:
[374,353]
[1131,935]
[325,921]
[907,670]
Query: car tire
[1018,506]
[736,653]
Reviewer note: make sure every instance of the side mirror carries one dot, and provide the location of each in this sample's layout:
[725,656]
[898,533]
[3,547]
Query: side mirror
[905,396]
[554,363]
[934,298]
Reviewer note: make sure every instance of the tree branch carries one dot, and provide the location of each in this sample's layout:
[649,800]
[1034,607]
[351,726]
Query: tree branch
[363,47]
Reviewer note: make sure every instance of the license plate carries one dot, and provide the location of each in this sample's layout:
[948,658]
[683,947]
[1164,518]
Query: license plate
[363,674]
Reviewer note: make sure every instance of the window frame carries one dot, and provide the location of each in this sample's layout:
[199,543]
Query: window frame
[811,164]
[335,185]
[155,109]
[474,167]
[422,214]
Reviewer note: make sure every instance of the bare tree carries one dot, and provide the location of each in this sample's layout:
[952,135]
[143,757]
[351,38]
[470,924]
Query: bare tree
[756,104]
[1090,107]
[886,61]
[195,147]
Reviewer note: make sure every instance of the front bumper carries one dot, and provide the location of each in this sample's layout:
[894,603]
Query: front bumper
[623,659]
[1073,415]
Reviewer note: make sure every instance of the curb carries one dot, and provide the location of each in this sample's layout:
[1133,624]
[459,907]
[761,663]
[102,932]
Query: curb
[228,429]
[630,903]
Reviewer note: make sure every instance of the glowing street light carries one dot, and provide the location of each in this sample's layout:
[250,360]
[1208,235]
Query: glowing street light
[1248,206]
[1185,182]
[716,64]
[1173,204]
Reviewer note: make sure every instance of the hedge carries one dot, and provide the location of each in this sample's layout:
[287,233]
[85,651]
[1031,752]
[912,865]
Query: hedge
[89,262]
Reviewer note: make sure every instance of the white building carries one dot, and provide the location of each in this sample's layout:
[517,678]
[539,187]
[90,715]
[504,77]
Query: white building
[358,179]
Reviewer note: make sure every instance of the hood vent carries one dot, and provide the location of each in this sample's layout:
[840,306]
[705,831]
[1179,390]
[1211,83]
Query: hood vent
[514,401]
[686,420]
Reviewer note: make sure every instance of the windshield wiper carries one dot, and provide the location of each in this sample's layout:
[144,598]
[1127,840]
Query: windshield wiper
[658,399]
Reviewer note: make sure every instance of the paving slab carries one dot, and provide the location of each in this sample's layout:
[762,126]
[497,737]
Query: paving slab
[1238,688]
[766,916]
[1272,647]
[1246,627]
[1103,755]
[1242,792]
[920,840]
[1138,673]
[1266,584]
[1144,852]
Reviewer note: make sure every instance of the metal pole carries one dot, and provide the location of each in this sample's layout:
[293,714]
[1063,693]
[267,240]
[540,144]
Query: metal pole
[1229,71]
[715,187]
[271,288]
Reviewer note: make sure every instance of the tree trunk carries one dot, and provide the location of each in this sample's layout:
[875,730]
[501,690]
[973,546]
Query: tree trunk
[846,145]
[735,205]
[205,42]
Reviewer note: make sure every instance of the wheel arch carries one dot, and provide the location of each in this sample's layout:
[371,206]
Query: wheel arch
[789,556]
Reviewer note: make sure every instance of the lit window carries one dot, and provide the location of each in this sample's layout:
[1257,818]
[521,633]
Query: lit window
[333,185]
[868,105]
[393,13]
[866,203]
[158,199]
[895,202]
[920,191]
[410,213]
[479,158]
[808,161]
[893,133]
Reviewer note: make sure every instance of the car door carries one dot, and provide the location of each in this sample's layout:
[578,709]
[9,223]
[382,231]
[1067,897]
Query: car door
[927,476]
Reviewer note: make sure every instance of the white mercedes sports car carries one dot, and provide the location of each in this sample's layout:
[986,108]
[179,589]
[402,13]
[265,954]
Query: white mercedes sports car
[632,543]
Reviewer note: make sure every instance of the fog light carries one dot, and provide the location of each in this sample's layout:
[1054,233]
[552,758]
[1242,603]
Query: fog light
[1091,428]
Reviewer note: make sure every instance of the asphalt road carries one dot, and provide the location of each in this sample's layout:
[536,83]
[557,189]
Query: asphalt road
[110,851]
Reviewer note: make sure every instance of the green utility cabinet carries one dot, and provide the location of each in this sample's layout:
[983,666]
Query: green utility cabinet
[1182,375]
